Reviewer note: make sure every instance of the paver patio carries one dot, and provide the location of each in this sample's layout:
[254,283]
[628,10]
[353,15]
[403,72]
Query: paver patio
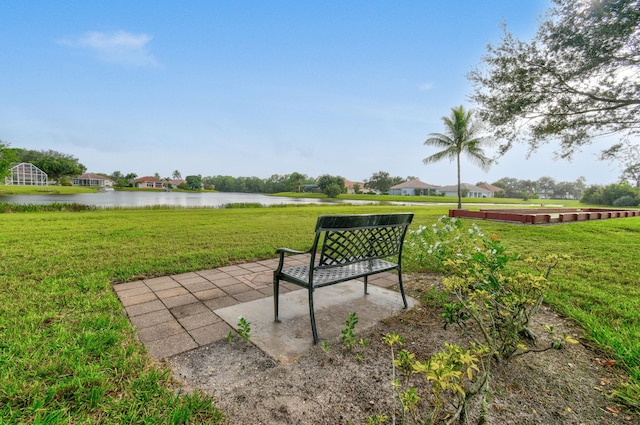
[177,313]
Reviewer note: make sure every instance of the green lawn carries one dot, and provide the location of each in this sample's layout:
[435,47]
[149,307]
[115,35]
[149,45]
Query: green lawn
[438,199]
[68,355]
[43,190]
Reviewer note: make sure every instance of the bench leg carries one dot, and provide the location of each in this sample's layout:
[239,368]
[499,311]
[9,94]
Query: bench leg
[404,298]
[313,317]
[366,282]
[276,293]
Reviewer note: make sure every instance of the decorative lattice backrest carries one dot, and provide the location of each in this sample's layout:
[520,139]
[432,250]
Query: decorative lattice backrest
[344,239]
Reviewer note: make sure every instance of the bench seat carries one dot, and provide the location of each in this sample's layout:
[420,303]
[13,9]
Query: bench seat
[336,274]
[346,247]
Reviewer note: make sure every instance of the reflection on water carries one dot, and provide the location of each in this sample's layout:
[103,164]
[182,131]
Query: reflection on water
[178,199]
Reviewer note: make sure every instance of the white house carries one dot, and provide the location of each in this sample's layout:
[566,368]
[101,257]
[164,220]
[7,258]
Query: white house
[470,190]
[494,189]
[25,174]
[414,188]
[92,180]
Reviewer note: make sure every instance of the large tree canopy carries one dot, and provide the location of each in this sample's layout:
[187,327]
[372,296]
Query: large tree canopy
[56,164]
[578,78]
[382,181]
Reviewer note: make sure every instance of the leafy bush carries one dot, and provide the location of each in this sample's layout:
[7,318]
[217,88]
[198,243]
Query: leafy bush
[626,201]
[493,304]
[609,195]
[455,374]
[487,291]
[431,247]
[332,191]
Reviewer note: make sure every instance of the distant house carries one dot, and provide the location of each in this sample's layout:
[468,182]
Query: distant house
[92,180]
[495,190]
[351,186]
[25,174]
[414,188]
[471,191]
[149,183]
[176,182]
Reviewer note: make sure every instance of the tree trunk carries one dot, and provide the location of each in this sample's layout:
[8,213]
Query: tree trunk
[459,189]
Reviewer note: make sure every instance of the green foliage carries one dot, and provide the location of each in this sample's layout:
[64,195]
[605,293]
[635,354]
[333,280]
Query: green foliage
[7,157]
[332,186]
[347,335]
[561,84]
[614,194]
[431,247]
[498,298]
[452,372]
[376,420]
[15,208]
[276,183]
[57,165]
[194,182]
[434,297]
[461,137]
[244,328]
[332,191]
[626,201]
[382,181]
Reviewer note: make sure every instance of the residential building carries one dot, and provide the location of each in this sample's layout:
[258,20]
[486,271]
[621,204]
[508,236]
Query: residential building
[495,190]
[468,191]
[148,182]
[351,186]
[92,180]
[414,188]
[176,182]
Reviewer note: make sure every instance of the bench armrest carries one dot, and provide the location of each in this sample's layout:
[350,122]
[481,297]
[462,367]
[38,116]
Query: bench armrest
[283,252]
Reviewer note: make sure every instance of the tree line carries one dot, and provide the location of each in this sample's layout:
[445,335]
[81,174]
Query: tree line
[60,167]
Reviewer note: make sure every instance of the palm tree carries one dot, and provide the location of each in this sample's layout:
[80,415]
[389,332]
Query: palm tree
[461,136]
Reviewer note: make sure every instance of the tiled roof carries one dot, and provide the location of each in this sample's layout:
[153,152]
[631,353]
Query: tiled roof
[146,179]
[93,176]
[414,184]
[490,187]
[467,186]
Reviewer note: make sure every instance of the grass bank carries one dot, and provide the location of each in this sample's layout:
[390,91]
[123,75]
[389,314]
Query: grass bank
[43,190]
[68,355]
[436,199]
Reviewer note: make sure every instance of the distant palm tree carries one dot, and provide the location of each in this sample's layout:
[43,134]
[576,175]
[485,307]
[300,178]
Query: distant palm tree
[460,137]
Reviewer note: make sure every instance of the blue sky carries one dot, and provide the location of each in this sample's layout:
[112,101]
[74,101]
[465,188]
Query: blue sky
[256,88]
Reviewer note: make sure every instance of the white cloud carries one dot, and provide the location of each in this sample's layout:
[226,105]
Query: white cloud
[119,47]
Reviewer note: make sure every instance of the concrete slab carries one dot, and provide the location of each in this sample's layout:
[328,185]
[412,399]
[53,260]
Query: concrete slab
[291,338]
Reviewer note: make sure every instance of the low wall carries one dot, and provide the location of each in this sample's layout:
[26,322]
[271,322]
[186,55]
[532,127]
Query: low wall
[544,215]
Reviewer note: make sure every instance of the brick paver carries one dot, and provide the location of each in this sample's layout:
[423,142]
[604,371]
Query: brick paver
[175,314]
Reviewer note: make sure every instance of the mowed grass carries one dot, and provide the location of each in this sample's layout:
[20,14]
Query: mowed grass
[68,355]
[598,286]
[43,190]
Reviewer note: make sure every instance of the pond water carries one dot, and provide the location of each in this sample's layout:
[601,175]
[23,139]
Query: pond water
[177,199]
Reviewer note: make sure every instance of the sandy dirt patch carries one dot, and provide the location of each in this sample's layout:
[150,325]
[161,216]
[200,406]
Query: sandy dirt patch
[337,386]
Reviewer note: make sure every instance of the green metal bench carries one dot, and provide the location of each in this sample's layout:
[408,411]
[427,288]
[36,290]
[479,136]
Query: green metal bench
[346,247]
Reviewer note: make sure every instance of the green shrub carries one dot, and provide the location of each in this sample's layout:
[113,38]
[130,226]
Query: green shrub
[332,191]
[625,201]
[430,247]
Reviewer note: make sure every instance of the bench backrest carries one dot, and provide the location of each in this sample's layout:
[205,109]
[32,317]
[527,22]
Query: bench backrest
[344,239]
